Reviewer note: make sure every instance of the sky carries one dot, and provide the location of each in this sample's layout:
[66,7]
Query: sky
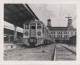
[55,12]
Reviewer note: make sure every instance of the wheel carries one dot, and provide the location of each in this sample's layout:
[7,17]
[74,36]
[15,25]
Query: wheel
[44,42]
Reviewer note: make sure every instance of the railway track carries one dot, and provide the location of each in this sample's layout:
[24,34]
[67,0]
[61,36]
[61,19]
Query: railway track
[63,53]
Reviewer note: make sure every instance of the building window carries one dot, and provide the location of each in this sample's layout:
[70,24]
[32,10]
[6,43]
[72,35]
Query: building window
[38,23]
[66,36]
[57,32]
[38,27]
[67,32]
[61,36]
[71,32]
[57,36]
[64,32]
[61,32]
[71,35]
[51,32]
[54,32]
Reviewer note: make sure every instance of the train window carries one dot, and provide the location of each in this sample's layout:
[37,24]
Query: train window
[38,27]
[66,36]
[64,32]
[71,32]
[57,32]
[32,24]
[50,36]
[46,30]
[75,32]
[51,32]
[27,27]
[61,36]
[54,32]
[61,32]
[33,27]
[38,23]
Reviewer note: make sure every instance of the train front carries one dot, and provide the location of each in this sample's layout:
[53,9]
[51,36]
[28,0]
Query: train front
[33,33]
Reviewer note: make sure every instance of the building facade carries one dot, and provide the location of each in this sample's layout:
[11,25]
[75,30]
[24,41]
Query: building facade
[62,34]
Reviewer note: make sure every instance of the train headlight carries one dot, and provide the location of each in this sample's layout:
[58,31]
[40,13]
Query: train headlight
[26,33]
[39,33]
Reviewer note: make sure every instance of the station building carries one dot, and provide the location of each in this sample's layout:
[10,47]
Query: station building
[62,34]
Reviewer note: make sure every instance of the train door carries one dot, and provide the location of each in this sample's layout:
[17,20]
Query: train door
[33,30]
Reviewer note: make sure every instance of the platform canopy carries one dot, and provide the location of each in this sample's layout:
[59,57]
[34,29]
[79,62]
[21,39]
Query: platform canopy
[17,14]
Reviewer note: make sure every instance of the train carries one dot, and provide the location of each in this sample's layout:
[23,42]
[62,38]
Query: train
[36,33]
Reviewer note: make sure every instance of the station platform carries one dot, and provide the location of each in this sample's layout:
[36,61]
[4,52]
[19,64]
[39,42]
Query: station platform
[9,46]
[69,47]
[38,53]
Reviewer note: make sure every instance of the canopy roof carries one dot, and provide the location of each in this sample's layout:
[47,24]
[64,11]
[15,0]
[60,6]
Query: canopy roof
[11,32]
[17,14]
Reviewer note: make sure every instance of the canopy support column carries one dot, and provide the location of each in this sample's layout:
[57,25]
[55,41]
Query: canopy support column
[15,33]
[9,38]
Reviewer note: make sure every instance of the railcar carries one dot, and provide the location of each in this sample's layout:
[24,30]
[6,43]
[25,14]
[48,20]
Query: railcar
[36,33]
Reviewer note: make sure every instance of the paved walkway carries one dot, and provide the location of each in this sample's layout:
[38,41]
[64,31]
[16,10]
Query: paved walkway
[44,53]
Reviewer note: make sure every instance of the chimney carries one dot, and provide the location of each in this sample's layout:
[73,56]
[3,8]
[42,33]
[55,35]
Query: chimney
[49,23]
[70,24]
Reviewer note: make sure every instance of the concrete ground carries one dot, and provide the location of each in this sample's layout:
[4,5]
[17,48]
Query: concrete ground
[38,53]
